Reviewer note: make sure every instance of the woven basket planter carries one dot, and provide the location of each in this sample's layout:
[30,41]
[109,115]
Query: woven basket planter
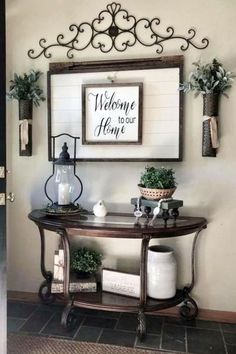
[210,109]
[156,194]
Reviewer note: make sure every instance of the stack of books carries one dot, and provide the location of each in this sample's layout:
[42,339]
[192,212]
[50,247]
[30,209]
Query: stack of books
[76,284]
[58,267]
[88,285]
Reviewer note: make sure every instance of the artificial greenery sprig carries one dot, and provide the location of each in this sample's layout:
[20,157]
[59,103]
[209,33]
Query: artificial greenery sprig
[208,78]
[24,87]
[158,178]
[85,260]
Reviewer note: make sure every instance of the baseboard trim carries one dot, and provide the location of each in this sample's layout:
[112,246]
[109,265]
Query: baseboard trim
[204,314]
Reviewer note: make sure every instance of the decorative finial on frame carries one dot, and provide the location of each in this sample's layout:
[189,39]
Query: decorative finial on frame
[112,78]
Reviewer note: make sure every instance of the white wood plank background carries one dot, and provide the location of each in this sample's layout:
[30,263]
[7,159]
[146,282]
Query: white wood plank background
[160,113]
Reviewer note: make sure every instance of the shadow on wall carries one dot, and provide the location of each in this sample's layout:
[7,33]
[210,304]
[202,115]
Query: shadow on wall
[38,199]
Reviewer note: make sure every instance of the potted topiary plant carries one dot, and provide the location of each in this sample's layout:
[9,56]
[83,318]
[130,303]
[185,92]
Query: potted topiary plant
[211,80]
[24,89]
[157,183]
[85,261]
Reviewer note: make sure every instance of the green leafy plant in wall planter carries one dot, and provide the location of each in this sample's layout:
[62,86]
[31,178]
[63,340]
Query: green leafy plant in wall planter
[85,261]
[25,89]
[211,80]
[157,183]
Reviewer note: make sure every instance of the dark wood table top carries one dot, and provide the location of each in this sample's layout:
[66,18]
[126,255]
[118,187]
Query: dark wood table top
[117,225]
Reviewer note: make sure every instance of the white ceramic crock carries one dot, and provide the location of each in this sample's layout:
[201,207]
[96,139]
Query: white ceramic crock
[161,272]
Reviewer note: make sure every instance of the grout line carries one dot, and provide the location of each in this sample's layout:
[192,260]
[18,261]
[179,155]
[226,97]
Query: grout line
[47,322]
[103,317]
[135,341]
[117,321]
[161,339]
[161,334]
[144,347]
[59,337]
[26,319]
[199,327]
[223,337]
[186,339]
[81,324]
[99,336]
[122,330]
[19,326]
[16,301]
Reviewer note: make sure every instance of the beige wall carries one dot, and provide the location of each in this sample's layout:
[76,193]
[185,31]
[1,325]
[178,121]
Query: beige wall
[207,185]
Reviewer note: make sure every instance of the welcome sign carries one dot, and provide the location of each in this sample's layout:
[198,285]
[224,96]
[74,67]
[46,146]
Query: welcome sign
[112,113]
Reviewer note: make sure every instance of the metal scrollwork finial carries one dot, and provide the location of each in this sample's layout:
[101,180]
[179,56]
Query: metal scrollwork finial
[115,29]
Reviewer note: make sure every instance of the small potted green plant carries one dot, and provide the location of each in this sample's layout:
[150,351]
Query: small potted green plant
[157,183]
[211,80]
[85,261]
[24,88]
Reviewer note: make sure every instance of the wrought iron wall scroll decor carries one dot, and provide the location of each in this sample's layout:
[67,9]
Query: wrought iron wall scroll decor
[115,29]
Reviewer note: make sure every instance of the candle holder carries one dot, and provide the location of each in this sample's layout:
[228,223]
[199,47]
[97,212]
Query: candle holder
[63,188]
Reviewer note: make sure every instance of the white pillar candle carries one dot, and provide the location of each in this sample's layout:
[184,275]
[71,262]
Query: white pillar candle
[63,194]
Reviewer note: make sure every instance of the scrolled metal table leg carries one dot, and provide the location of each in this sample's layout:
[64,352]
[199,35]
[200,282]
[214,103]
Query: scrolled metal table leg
[141,327]
[193,259]
[44,292]
[68,318]
[143,271]
[45,273]
[189,309]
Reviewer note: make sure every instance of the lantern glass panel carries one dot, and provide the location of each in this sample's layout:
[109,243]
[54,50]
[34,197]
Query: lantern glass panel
[64,185]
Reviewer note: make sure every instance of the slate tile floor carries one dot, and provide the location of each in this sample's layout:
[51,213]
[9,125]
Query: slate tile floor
[164,333]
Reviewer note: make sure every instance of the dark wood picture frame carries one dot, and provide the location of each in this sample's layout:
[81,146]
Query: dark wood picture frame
[105,69]
[114,118]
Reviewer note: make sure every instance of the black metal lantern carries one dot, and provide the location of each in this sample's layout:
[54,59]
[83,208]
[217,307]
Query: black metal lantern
[63,188]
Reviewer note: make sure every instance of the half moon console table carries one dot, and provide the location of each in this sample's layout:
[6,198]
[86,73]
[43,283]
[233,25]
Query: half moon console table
[122,226]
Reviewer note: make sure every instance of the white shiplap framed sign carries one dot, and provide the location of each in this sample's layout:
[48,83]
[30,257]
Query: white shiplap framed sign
[153,84]
[112,113]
